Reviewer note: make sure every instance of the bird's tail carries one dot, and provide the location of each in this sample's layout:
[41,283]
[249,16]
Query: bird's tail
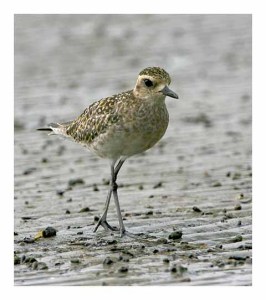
[54,128]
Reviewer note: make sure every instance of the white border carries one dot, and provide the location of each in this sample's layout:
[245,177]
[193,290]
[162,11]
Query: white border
[259,151]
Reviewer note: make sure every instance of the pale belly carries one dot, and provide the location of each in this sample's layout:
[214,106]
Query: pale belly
[132,137]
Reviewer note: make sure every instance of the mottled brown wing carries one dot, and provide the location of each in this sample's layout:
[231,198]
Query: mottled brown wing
[93,121]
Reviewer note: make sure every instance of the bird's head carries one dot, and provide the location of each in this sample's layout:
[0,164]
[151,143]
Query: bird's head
[152,83]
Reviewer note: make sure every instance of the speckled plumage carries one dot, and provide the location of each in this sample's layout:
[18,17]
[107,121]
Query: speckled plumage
[124,124]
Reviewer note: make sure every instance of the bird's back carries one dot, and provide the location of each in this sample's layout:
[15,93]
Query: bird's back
[121,125]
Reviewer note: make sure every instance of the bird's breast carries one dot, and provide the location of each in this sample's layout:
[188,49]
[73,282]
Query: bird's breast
[136,130]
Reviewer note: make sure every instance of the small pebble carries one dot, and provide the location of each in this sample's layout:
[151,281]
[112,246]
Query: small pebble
[95,187]
[29,171]
[112,242]
[48,232]
[237,239]
[73,182]
[75,261]
[149,213]
[238,207]
[158,185]
[108,261]
[196,209]
[237,257]
[85,209]
[245,247]
[67,212]
[60,192]
[173,270]
[123,269]
[175,235]
[166,260]
[216,184]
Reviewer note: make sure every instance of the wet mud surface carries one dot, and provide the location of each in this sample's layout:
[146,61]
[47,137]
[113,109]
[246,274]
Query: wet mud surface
[189,198]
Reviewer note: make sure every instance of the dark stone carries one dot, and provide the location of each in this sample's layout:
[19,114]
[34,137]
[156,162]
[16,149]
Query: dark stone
[123,269]
[76,181]
[196,209]
[108,261]
[158,185]
[48,232]
[175,235]
[85,209]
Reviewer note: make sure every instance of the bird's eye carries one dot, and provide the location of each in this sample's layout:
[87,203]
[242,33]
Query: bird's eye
[148,82]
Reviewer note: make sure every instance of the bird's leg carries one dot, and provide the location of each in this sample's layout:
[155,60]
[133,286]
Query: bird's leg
[113,189]
[114,185]
[103,222]
[122,228]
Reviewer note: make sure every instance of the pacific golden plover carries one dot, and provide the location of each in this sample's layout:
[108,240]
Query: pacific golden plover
[120,126]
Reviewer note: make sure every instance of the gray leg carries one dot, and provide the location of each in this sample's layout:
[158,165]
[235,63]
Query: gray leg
[122,229]
[113,186]
[103,222]
[120,219]
[113,189]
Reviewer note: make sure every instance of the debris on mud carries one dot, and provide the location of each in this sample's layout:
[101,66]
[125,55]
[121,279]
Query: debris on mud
[196,209]
[123,269]
[176,235]
[85,209]
[73,182]
[108,261]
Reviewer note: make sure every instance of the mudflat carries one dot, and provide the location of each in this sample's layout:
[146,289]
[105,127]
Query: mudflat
[189,198]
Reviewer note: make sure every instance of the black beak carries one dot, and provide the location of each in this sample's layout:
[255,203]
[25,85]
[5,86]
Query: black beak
[167,92]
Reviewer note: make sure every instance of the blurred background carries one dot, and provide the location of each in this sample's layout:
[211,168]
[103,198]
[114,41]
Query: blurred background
[63,63]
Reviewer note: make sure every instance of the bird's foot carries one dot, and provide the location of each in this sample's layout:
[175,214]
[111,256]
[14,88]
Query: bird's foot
[102,222]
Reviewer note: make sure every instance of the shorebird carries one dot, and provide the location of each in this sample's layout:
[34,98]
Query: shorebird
[120,126]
